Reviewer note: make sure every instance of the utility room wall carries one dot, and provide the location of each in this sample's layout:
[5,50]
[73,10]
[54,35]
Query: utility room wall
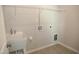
[27,19]
[71,26]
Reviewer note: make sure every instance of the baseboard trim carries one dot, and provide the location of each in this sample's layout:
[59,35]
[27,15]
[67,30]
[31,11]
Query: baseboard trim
[37,49]
[68,47]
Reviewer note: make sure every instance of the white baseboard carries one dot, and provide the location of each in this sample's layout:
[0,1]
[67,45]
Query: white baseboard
[37,49]
[69,47]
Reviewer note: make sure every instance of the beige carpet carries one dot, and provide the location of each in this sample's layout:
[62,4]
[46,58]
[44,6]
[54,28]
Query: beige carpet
[56,49]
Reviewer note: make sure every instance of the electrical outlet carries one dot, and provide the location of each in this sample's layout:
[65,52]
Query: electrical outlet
[55,37]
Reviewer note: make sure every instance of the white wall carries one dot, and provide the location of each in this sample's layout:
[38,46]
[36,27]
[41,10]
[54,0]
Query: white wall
[71,26]
[68,22]
[27,21]
[2,33]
